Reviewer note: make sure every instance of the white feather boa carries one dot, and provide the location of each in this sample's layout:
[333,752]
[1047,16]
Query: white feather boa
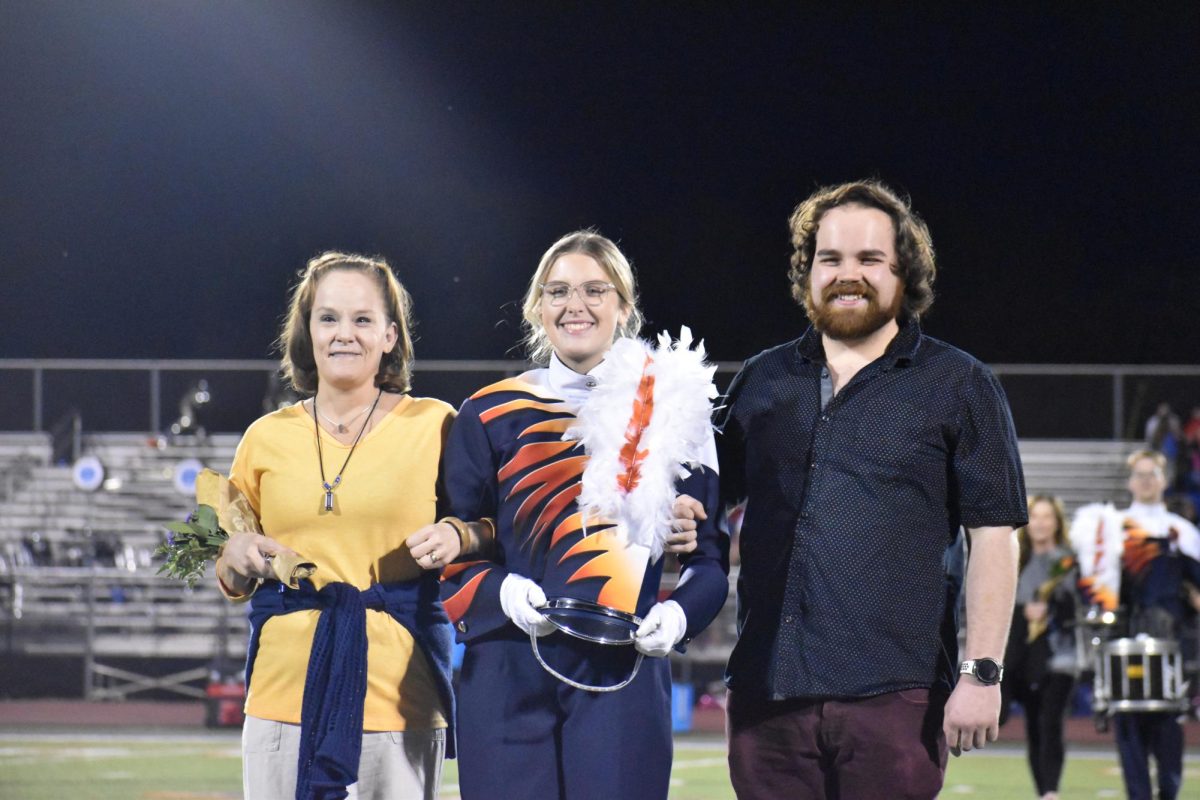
[1098,538]
[676,435]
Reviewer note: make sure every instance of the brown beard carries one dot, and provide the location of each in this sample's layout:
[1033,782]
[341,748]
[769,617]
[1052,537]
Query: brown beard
[842,324]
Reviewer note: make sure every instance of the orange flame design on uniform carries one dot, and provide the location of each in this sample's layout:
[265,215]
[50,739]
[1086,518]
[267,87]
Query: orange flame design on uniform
[574,524]
[1140,549]
[558,484]
[548,426]
[622,566]
[548,404]
[555,483]
[458,604]
[1094,593]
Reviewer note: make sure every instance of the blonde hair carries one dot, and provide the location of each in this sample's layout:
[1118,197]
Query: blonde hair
[1158,458]
[298,364]
[611,260]
[1060,527]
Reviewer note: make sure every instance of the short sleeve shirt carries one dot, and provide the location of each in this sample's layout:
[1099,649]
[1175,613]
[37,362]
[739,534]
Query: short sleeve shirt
[851,506]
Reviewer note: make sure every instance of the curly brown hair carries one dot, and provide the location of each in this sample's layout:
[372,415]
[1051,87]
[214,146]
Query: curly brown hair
[295,342]
[914,248]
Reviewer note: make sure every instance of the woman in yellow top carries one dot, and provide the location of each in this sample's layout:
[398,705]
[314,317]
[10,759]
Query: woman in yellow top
[343,478]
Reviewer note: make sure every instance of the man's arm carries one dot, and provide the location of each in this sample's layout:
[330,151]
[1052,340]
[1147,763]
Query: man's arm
[972,716]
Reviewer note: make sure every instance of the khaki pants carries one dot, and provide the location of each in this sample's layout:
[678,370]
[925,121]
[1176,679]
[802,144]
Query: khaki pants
[395,765]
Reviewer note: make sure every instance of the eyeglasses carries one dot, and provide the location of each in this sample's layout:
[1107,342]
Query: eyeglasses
[592,292]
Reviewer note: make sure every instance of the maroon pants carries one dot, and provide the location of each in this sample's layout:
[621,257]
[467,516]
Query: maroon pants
[889,746]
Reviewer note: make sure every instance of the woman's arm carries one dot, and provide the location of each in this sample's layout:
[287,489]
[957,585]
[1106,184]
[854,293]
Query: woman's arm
[434,546]
[471,584]
[704,580]
[245,561]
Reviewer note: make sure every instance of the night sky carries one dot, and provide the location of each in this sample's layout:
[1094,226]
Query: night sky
[167,166]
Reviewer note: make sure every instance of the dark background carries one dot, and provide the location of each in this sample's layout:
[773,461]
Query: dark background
[167,166]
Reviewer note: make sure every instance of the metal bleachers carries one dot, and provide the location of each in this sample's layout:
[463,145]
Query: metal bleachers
[138,497]
[1078,471]
[77,571]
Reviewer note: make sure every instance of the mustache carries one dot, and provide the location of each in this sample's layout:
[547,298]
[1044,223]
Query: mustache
[830,292]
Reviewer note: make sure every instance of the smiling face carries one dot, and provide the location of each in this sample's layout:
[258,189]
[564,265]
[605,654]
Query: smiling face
[581,333]
[854,290]
[350,329]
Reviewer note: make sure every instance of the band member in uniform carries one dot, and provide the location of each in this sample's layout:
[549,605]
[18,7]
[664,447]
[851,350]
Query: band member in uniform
[1159,554]
[523,733]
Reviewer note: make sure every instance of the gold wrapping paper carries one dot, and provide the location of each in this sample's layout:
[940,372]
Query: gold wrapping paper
[235,515]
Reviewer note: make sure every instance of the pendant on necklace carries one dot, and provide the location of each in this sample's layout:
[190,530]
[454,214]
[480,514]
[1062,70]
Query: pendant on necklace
[342,428]
[329,492]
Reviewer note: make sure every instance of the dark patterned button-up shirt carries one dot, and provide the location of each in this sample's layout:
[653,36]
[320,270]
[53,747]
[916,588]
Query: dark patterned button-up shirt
[852,502]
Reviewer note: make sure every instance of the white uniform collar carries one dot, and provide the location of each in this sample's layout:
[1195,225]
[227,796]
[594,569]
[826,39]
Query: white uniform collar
[1147,510]
[568,384]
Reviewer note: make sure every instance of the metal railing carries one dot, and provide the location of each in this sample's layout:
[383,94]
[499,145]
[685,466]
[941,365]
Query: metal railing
[154,369]
[112,618]
[1115,396]
[1124,414]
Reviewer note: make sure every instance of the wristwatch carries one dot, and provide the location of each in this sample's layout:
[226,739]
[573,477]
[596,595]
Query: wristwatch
[987,671]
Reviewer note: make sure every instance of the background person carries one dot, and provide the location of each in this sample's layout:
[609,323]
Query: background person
[1040,660]
[1161,556]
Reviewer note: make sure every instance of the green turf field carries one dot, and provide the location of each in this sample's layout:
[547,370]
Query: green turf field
[170,766]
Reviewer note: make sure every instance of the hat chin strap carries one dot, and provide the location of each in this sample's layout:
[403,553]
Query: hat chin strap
[533,641]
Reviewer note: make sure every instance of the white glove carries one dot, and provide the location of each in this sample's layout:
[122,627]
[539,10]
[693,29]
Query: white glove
[520,598]
[661,630]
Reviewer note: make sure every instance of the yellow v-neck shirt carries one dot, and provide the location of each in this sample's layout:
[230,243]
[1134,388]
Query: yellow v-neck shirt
[388,490]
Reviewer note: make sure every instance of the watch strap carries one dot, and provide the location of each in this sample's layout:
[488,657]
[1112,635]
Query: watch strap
[971,667]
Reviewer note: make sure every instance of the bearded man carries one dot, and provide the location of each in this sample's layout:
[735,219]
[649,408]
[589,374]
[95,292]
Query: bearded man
[861,449]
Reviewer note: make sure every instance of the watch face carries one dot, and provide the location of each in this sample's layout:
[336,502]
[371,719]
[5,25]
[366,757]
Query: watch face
[987,671]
